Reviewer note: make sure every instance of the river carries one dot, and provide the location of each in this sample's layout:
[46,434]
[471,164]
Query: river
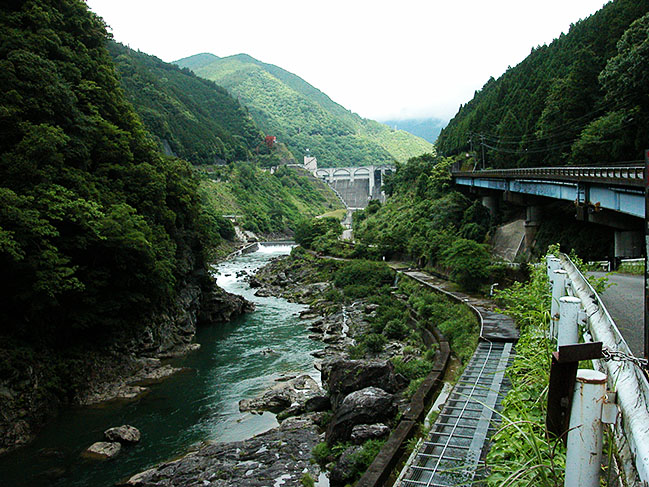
[236,360]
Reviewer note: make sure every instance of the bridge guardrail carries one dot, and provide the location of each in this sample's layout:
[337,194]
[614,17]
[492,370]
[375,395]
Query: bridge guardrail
[632,433]
[626,175]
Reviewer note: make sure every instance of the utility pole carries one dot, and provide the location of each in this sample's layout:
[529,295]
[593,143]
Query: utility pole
[482,144]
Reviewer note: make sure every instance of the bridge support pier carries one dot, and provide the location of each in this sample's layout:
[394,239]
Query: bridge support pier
[532,222]
[490,202]
[628,244]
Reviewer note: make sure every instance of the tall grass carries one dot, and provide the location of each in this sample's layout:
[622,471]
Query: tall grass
[522,452]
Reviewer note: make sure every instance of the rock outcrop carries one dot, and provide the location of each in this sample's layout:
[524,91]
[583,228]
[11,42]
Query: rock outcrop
[102,450]
[293,394]
[366,406]
[343,376]
[363,432]
[278,457]
[124,434]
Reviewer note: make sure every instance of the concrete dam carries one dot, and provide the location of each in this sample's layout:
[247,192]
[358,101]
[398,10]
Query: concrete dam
[356,186]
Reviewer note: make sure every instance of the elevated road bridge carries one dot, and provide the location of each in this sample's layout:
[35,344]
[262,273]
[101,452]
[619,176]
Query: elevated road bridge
[607,195]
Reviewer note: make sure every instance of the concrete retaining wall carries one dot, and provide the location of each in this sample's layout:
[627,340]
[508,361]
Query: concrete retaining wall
[394,448]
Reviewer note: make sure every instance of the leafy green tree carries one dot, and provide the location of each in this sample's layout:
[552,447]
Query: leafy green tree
[309,230]
[97,228]
[468,262]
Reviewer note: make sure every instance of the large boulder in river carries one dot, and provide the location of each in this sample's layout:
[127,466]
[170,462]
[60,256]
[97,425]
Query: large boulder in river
[220,306]
[102,450]
[290,394]
[345,376]
[367,406]
[123,434]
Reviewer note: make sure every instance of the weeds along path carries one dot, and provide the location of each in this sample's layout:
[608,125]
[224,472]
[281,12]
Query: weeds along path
[454,450]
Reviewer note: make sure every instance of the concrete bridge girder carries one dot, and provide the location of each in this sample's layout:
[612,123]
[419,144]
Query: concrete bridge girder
[616,207]
[624,200]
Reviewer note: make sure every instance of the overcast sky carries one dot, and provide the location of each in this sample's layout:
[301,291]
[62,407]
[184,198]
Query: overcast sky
[381,59]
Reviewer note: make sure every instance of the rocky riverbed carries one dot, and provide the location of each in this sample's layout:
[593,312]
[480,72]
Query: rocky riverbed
[356,401]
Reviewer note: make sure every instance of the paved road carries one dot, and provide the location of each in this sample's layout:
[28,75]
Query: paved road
[625,303]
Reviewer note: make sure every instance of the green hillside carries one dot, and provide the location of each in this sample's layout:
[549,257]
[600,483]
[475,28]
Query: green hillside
[303,117]
[97,227]
[189,116]
[267,203]
[583,99]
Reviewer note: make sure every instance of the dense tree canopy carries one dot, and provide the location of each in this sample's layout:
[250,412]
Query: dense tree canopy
[96,227]
[190,116]
[580,100]
[426,219]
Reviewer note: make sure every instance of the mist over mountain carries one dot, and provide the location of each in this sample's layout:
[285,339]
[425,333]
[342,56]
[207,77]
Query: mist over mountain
[426,128]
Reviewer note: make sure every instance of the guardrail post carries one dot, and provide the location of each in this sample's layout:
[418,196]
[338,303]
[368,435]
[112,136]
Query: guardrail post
[553,265]
[568,333]
[558,280]
[584,442]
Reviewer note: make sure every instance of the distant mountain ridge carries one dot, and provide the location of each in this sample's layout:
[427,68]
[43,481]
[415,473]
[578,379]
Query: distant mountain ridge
[426,128]
[303,117]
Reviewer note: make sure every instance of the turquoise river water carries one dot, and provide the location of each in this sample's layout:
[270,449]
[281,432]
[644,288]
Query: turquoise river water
[193,406]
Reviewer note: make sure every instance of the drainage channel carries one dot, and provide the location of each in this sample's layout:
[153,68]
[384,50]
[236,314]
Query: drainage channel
[453,453]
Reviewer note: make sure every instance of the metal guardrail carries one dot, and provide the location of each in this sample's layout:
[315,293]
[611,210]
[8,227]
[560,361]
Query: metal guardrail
[629,175]
[632,433]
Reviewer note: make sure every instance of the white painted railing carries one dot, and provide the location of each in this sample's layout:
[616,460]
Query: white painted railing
[630,383]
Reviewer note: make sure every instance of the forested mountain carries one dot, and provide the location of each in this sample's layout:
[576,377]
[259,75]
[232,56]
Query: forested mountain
[426,128]
[96,226]
[303,117]
[201,122]
[190,117]
[583,99]
[267,203]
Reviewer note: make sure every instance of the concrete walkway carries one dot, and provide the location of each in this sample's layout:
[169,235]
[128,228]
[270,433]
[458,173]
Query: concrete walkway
[454,450]
[496,326]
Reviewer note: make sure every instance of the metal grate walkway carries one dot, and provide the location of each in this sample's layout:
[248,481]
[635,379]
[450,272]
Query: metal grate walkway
[455,447]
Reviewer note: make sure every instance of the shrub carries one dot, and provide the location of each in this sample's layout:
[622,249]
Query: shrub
[374,342]
[321,453]
[308,231]
[307,480]
[413,369]
[468,262]
[396,329]
[364,272]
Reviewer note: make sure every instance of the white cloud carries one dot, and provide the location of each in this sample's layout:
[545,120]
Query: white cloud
[381,59]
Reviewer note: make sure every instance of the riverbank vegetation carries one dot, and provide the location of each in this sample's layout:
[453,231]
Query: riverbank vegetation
[387,321]
[99,231]
[426,220]
[521,451]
